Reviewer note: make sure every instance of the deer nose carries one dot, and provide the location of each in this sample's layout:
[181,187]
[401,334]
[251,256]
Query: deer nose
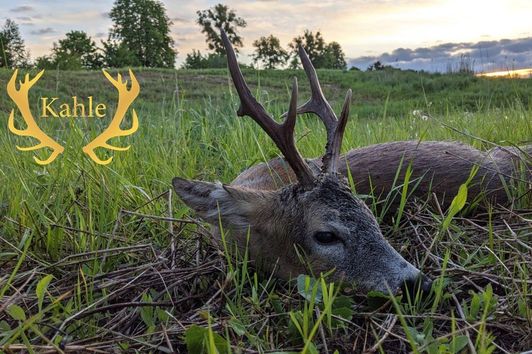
[419,284]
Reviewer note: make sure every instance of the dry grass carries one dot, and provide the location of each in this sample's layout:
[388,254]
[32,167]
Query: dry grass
[146,304]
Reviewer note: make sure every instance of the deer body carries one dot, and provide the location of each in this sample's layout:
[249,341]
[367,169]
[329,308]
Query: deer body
[440,166]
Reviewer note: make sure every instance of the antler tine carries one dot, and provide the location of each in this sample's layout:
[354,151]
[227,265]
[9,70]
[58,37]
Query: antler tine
[281,134]
[317,104]
[332,155]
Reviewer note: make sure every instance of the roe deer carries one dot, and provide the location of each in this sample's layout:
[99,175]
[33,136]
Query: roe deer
[318,215]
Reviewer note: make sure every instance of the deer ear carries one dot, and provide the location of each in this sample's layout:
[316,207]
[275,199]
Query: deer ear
[213,202]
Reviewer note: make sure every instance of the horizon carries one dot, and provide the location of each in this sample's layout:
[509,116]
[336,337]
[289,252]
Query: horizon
[419,35]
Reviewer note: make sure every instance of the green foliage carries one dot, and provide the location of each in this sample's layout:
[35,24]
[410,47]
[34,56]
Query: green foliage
[74,52]
[482,304]
[268,50]
[431,345]
[314,45]
[196,60]
[377,66]
[220,17]
[41,289]
[459,201]
[203,340]
[322,307]
[13,52]
[322,55]
[16,312]
[44,62]
[333,57]
[118,55]
[141,29]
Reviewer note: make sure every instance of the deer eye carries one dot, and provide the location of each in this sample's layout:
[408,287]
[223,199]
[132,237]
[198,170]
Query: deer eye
[326,237]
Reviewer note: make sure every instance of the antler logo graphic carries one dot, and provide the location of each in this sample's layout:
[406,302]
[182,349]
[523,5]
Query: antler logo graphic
[125,99]
[20,97]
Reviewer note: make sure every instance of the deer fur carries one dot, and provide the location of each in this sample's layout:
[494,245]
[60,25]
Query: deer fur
[441,167]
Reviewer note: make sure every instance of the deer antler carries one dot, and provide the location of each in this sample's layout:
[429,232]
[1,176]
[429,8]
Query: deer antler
[281,134]
[318,105]
[125,98]
[20,97]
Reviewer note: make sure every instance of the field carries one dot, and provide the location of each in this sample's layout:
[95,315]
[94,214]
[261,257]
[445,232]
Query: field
[106,258]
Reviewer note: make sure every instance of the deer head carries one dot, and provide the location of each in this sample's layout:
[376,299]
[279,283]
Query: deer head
[317,219]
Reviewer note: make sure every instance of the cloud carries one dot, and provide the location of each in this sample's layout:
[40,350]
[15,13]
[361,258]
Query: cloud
[179,19]
[23,8]
[362,27]
[24,20]
[41,31]
[484,56]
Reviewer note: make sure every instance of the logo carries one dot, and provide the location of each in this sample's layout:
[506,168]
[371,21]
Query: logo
[20,97]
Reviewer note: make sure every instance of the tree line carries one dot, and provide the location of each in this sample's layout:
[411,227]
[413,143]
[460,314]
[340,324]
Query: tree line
[140,36]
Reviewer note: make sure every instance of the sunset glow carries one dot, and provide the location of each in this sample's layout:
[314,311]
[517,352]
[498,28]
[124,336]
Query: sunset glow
[518,74]
[363,28]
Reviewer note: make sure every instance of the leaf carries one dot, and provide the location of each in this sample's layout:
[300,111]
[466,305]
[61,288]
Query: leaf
[305,287]
[428,327]
[237,326]
[147,313]
[474,307]
[457,204]
[42,285]
[16,312]
[342,301]
[276,303]
[418,337]
[376,299]
[343,312]
[197,339]
[342,307]
[4,327]
[311,348]
[458,343]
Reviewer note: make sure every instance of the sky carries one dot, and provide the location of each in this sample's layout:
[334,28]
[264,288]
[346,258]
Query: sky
[417,34]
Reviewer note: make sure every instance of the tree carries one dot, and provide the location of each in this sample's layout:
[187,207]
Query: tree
[216,18]
[118,55]
[334,57]
[76,51]
[313,44]
[196,60]
[322,55]
[143,27]
[13,52]
[269,52]
[45,62]
[376,66]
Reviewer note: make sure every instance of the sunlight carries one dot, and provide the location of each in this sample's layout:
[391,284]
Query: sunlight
[515,74]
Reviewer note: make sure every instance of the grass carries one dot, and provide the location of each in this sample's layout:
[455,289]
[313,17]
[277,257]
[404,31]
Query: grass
[107,258]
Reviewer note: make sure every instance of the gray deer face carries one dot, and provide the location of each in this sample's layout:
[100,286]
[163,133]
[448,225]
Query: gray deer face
[325,228]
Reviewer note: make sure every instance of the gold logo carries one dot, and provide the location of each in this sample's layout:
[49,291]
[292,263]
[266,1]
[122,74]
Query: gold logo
[21,99]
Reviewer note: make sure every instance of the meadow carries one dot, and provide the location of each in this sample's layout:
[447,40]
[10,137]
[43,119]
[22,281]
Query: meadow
[107,258]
